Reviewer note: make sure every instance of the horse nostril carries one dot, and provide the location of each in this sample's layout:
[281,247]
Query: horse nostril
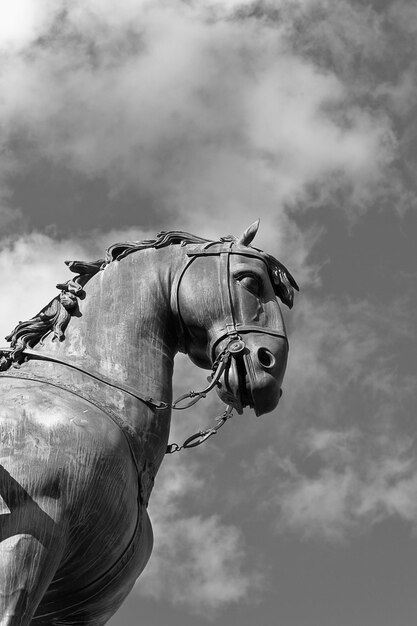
[266,358]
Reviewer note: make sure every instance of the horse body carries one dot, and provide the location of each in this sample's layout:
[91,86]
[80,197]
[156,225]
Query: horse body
[78,456]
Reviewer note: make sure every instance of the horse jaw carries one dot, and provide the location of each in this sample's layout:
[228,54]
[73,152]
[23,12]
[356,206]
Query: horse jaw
[254,379]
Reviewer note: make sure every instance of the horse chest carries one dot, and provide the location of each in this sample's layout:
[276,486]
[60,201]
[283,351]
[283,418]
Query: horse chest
[67,468]
[66,450]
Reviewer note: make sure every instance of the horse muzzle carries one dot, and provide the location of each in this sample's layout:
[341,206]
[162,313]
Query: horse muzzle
[255,372]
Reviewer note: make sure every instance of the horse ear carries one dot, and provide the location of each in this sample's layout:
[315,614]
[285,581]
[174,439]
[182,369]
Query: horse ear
[249,234]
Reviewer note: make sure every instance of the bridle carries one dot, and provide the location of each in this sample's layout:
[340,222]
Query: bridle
[232,330]
[232,327]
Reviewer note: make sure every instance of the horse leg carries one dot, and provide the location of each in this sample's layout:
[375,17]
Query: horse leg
[32,541]
[26,570]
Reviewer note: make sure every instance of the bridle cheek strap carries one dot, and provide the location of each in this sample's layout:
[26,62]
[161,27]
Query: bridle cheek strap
[226,299]
[225,292]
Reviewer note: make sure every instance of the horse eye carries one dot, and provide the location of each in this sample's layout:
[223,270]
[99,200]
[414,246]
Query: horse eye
[252,284]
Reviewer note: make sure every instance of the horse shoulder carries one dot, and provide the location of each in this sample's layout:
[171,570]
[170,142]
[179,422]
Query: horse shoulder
[46,433]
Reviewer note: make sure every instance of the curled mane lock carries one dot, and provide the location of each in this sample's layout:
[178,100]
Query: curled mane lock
[53,318]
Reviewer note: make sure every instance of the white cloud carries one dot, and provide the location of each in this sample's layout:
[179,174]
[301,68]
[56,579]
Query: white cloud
[333,350]
[22,21]
[404,15]
[219,112]
[344,457]
[199,105]
[358,486]
[199,554]
[339,482]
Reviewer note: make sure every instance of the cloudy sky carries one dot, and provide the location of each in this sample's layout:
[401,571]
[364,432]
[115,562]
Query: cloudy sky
[119,118]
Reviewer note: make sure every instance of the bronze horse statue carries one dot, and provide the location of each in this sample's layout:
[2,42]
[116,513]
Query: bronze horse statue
[85,421]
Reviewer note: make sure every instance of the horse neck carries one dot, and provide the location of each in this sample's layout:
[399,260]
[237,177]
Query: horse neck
[125,326]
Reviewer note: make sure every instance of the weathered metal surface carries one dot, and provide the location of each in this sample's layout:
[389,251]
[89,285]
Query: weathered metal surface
[78,456]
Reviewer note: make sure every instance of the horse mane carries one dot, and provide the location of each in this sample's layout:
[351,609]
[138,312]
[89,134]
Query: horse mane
[119,251]
[55,316]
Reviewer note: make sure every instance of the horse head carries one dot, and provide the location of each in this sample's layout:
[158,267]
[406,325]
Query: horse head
[224,299]
[226,305]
